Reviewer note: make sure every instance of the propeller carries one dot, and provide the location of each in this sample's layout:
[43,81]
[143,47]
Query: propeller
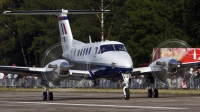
[166,70]
[54,53]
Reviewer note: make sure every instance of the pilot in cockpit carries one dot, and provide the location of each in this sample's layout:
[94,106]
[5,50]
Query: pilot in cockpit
[102,50]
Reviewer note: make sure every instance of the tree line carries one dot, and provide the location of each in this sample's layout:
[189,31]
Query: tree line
[140,24]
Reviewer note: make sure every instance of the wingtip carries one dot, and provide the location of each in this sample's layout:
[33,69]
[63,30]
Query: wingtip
[5,12]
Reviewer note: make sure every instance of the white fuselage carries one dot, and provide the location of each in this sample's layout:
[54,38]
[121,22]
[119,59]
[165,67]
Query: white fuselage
[100,63]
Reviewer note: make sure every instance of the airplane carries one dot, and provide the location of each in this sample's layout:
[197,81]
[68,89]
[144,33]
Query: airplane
[90,61]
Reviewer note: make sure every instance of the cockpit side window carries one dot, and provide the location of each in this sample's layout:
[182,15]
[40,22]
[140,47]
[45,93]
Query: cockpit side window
[99,51]
[105,48]
[119,47]
[96,50]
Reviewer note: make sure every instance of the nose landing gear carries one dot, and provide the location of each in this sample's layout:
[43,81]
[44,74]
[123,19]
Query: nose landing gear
[126,91]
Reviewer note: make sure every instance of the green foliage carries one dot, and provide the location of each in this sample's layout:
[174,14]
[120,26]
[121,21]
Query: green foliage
[149,23]
[140,24]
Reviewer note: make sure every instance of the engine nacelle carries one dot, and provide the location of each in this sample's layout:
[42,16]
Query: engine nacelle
[164,68]
[57,71]
[167,64]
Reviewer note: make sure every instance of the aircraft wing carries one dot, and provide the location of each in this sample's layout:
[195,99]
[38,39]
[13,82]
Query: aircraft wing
[190,64]
[25,71]
[30,71]
[149,69]
[77,72]
[141,71]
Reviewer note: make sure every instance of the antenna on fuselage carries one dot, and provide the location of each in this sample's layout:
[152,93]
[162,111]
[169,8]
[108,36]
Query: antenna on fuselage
[90,39]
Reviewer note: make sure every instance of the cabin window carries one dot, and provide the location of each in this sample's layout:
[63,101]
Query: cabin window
[86,51]
[89,50]
[78,52]
[81,52]
[74,52]
[105,48]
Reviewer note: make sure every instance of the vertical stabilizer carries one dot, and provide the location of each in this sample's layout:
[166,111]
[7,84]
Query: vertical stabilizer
[65,32]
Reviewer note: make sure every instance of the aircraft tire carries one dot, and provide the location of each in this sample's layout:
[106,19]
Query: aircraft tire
[156,93]
[50,95]
[44,96]
[127,96]
[150,93]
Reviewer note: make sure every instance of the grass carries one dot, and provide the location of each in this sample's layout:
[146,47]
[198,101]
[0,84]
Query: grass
[142,91]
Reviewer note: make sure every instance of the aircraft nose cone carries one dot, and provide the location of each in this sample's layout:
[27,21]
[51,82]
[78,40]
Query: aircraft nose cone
[173,63]
[126,62]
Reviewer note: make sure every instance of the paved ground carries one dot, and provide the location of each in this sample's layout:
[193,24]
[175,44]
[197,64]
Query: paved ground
[96,102]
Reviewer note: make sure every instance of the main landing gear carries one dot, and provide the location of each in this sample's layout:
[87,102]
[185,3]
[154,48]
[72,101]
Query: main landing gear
[47,95]
[153,92]
[126,78]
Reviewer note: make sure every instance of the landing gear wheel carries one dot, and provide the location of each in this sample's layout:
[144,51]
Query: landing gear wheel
[127,96]
[150,93]
[50,96]
[44,96]
[156,93]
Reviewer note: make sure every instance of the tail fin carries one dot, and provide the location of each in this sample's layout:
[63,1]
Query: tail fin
[65,32]
[64,27]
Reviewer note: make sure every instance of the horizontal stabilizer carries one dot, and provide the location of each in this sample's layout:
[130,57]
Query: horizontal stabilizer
[54,12]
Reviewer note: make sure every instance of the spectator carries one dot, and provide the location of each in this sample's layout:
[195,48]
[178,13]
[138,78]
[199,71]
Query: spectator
[185,80]
[167,83]
[29,81]
[197,79]
[34,81]
[135,83]
[5,79]
[190,76]
[10,80]
[104,83]
[140,82]
[174,82]
[1,75]
[179,81]
[91,83]
[1,79]
[23,84]
[16,77]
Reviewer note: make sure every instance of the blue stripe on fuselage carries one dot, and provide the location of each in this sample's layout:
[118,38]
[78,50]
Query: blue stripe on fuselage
[63,18]
[107,71]
[99,70]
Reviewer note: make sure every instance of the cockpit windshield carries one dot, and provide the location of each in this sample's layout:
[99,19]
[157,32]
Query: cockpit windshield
[112,47]
[119,47]
[105,48]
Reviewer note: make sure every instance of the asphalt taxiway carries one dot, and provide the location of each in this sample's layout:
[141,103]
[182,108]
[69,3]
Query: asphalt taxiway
[96,102]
